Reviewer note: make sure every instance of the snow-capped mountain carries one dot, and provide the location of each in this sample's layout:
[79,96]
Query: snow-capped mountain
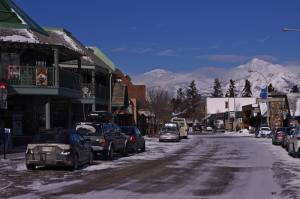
[281,77]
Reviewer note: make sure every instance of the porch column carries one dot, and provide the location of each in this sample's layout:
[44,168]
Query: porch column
[94,89]
[56,66]
[48,113]
[93,107]
[79,65]
[70,114]
[110,92]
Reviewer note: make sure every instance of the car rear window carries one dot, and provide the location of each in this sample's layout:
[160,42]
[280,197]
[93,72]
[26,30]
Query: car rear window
[265,129]
[89,130]
[127,130]
[169,129]
[282,129]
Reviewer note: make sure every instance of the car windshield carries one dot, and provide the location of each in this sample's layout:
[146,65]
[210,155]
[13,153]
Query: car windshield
[127,130]
[60,138]
[165,129]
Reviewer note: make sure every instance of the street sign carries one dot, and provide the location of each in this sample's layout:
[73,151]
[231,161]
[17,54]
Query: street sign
[264,93]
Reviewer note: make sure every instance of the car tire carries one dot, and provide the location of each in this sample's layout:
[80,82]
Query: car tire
[75,162]
[143,149]
[91,157]
[293,153]
[125,150]
[30,167]
[110,153]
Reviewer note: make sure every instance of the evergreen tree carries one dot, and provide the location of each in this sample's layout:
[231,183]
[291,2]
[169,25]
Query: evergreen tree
[295,89]
[247,89]
[178,101]
[180,94]
[231,91]
[192,91]
[217,89]
[192,100]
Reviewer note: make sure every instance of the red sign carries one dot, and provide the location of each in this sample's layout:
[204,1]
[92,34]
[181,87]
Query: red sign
[2,85]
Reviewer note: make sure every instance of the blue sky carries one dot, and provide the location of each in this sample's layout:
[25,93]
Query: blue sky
[177,35]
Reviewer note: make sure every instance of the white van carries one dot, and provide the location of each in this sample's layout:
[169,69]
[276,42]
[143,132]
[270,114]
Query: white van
[183,127]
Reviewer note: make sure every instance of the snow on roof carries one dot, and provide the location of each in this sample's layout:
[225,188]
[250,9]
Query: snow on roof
[219,105]
[69,41]
[19,35]
[19,17]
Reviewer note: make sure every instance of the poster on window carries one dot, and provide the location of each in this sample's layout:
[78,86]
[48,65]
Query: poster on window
[41,76]
[13,72]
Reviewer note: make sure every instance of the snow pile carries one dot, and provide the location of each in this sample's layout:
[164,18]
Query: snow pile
[242,132]
[8,164]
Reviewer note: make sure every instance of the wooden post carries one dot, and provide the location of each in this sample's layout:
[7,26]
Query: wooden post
[48,113]
[56,66]
[110,92]
[70,114]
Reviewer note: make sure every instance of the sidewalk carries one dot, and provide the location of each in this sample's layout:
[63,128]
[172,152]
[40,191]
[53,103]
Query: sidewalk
[14,156]
[15,153]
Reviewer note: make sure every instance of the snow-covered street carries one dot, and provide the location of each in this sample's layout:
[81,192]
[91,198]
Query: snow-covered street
[203,166]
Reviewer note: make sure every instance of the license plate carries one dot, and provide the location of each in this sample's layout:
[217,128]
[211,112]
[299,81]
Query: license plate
[47,149]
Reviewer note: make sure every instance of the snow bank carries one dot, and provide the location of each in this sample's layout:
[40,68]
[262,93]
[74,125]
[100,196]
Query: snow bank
[243,132]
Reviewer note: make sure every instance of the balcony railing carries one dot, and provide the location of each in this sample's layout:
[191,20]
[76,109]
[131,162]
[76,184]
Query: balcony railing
[43,77]
[94,90]
[69,79]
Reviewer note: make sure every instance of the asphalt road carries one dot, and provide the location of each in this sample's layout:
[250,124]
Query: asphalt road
[204,166]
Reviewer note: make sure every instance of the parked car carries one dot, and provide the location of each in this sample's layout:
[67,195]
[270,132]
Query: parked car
[287,138]
[99,117]
[106,138]
[183,127]
[219,126]
[197,128]
[264,132]
[209,129]
[169,134]
[63,148]
[293,146]
[279,135]
[136,141]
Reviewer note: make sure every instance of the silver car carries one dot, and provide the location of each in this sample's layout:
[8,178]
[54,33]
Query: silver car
[169,134]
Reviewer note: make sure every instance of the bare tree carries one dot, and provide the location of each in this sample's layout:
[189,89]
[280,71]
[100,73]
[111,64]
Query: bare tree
[160,104]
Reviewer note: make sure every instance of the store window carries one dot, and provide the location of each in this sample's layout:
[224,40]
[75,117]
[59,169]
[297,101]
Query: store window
[10,66]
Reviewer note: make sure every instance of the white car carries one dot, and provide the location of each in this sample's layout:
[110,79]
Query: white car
[293,145]
[264,132]
[209,129]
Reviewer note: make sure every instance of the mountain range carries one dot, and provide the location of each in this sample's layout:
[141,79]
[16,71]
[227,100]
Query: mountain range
[281,77]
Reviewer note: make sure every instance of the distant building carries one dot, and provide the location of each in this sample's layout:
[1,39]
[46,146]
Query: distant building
[227,109]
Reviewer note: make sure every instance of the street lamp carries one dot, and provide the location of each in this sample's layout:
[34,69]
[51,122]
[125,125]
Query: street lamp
[267,85]
[290,29]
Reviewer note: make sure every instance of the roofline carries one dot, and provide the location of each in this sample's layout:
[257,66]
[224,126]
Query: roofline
[105,59]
